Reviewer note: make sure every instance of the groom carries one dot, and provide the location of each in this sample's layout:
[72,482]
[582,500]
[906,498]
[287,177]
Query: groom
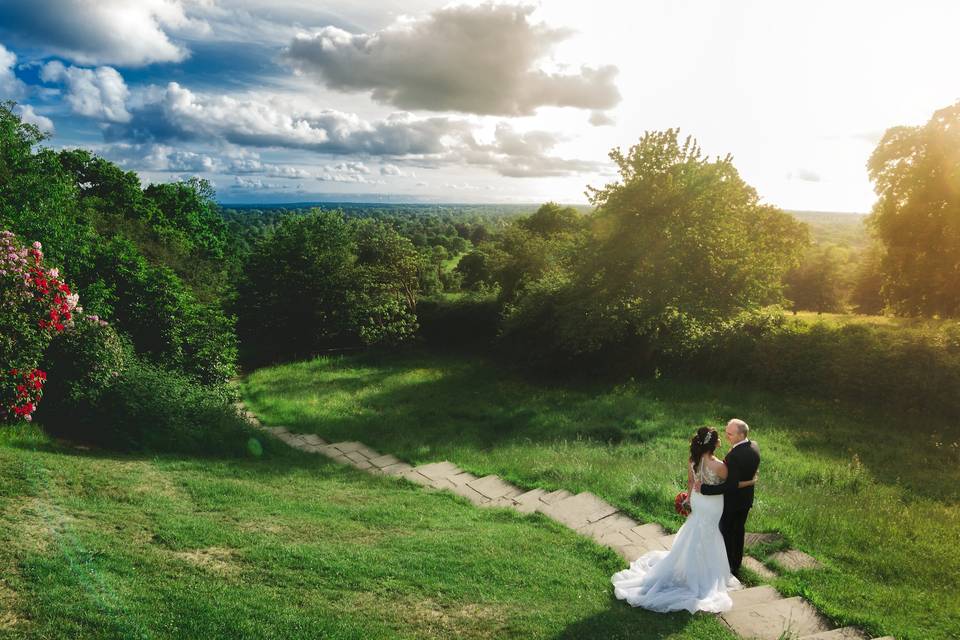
[742,462]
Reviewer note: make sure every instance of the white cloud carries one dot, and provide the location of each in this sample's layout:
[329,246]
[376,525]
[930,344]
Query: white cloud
[117,32]
[256,184]
[28,115]
[481,59]
[351,167]
[524,155]
[11,88]
[98,93]
[601,119]
[806,175]
[176,113]
[394,170]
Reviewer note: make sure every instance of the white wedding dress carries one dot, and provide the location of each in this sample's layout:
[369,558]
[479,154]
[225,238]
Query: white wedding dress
[694,575]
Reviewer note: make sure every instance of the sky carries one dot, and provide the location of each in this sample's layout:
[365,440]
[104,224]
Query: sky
[427,101]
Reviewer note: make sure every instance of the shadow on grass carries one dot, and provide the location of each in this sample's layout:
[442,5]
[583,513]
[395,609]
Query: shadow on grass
[621,621]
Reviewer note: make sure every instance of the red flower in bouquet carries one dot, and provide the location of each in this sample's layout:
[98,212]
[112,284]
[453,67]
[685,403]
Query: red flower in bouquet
[682,503]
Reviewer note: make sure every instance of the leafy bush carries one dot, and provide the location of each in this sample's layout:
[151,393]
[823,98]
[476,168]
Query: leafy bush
[906,368]
[162,315]
[149,408]
[82,363]
[152,408]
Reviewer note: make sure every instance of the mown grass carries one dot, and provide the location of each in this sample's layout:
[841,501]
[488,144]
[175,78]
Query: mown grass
[874,497]
[96,545]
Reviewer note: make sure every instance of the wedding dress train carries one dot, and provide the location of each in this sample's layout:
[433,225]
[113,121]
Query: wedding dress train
[694,575]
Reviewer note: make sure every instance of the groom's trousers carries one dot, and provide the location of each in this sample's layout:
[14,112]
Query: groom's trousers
[733,529]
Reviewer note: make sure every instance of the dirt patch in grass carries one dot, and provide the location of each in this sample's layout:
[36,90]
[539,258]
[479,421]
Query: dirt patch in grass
[9,604]
[151,481]
[217,560]
[36,523]
[438,619]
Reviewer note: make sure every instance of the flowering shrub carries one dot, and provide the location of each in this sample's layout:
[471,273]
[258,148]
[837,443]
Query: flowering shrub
[35,305]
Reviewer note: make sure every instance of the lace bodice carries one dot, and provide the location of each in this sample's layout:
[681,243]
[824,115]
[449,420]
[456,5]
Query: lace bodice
[705,475]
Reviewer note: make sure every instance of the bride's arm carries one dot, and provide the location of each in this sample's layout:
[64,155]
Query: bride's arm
[748,483]
[689,478]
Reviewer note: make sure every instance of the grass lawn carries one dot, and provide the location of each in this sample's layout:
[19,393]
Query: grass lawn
[874,497]
[97,545]
[812,317]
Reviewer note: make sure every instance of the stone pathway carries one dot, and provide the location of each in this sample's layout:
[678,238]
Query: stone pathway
[759,613]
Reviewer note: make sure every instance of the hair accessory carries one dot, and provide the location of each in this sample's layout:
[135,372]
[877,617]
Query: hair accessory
[706,438]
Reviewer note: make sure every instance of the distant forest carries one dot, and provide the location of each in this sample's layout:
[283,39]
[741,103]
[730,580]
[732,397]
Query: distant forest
[839,271]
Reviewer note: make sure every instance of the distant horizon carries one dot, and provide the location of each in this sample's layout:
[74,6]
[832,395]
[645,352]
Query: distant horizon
[339,199]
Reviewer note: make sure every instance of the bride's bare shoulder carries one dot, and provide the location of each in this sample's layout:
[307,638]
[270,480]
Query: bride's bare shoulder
[716,465]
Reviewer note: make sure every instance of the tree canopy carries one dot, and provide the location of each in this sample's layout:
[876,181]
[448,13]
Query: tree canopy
[916,174]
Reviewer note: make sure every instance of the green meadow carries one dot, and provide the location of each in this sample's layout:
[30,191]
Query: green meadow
[873,496]
[112,546]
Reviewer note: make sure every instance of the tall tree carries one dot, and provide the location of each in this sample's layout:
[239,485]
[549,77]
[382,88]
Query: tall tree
[678,243]
[818,283]
[916,174]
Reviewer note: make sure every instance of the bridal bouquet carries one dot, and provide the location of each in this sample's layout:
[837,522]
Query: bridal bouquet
[682,503]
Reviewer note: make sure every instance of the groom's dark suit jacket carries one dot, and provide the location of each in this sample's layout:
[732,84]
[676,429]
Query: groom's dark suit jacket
[742,464]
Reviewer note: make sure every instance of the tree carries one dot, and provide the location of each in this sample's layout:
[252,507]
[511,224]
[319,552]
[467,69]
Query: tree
[866,295]
[38,199]
[551,219]
[916,175]
[678,244]
[817,284]
[319,282]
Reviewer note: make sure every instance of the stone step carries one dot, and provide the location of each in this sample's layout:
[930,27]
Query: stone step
[358,456]
[503,502]
[312,448]
[330,451]
[667,541]
[761,538]
[363,464]
[529,502]
[493,487]
[460,485]
[771,620]
[793,560]
[555,496]
[312,438]
[613,523]
[631,552]
[844,633]
[438,470]
[413,475]
[650,530]
[579,511]
[396,469]
[383,461]
[758,568]
[754,596]
[346,447]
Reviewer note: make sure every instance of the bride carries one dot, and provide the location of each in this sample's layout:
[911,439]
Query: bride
[694,575]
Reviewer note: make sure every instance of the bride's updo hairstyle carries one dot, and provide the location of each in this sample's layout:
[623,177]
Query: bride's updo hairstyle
[704,441]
